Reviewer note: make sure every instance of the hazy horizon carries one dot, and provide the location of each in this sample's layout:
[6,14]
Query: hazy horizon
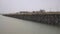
[11,6]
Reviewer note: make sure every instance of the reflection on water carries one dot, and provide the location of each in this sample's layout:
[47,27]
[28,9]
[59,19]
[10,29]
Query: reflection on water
[16,26]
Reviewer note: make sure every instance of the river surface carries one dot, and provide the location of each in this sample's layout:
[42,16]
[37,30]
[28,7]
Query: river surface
[10,25]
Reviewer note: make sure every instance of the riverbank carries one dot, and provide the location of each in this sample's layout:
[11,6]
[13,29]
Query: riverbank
[53,19]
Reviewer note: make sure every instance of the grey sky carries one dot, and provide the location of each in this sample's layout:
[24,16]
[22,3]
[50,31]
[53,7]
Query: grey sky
[29,5]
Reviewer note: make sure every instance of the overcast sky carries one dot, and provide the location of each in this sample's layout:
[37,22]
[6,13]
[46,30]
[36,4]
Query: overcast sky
[28,5]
